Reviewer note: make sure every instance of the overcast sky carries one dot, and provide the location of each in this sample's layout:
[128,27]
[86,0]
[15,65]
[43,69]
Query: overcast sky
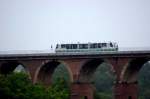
[36,24]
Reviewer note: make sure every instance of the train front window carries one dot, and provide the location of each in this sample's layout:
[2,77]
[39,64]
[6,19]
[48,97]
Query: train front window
[56,46]
[63,46]
[111,45]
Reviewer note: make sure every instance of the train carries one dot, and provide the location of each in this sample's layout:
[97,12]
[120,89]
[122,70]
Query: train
[86,47]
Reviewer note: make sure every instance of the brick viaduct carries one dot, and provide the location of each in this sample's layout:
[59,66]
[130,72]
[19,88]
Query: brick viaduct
[81,66]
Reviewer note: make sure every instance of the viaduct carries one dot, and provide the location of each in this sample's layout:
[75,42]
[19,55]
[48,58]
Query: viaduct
[81,66]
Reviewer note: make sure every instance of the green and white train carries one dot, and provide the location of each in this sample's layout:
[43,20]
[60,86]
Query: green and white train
[86,47]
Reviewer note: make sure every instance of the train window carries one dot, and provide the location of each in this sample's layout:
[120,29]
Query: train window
[67,46]
[71,46]
[91,46]
[111,45]
[104,44]
[99,45]
[63,46]
[74,46]
[56,46]
[94,45]
[83,46]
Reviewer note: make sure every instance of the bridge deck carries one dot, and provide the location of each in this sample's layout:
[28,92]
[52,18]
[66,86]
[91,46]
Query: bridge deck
[75,55]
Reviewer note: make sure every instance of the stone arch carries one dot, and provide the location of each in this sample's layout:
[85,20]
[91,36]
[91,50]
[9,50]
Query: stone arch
[7,67]
[68,69]
[130,71]
[144,81]
[88,69]
[45,71]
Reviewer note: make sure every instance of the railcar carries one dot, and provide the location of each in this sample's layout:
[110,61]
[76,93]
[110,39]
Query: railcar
[86,47]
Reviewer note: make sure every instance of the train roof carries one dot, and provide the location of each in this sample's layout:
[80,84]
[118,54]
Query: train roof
[87,43]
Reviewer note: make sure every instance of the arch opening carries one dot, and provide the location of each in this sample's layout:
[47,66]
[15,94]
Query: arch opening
[131,72]
[88,69]
[85,97]
[51,71]
[144,81]
[104,80]
[61,72]
[101,75]
[12,66]
[137,73]
[129,97]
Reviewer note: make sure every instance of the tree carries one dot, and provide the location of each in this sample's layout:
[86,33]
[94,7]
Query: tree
[19,86]
[14,85]
[59,90]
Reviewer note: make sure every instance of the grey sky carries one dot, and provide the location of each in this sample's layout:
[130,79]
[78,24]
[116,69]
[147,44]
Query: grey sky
[36,24]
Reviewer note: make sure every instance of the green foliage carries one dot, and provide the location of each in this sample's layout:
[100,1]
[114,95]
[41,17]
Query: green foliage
[12,87]
[103,80]
[59,90]
[105,96]
[18,86]
[102,95]
[36,92]
[62,73]
[144,82]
